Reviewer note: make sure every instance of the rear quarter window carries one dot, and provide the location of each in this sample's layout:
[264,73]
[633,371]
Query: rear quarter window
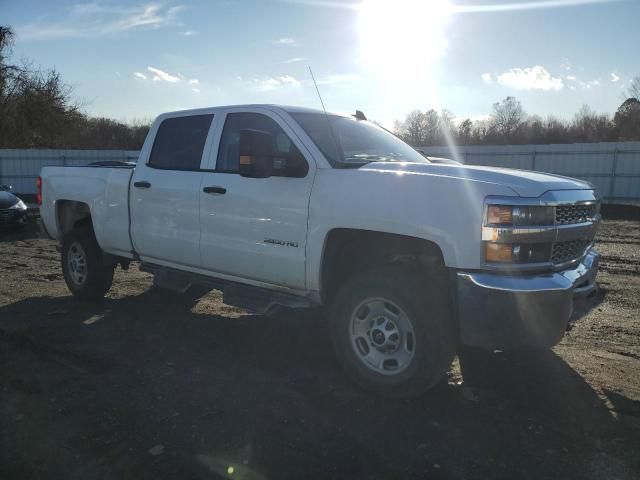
[179,142]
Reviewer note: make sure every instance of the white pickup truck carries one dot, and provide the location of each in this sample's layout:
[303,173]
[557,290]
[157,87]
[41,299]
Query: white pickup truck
[284,206]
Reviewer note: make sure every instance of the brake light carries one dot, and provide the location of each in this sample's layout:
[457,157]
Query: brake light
[39,191]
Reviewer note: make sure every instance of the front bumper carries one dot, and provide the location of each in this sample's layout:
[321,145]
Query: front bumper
[12,217]
[507,312]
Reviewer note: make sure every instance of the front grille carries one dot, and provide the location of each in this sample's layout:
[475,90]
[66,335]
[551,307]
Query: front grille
[568,214]
[566,251]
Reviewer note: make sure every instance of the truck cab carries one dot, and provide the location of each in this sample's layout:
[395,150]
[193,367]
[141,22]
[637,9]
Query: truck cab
[287,206]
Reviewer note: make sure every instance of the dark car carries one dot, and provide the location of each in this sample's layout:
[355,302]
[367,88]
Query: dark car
[13,211]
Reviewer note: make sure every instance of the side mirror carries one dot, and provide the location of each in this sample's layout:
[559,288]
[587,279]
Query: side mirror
[256,154]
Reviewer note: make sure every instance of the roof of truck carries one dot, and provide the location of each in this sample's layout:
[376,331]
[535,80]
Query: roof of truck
[287,108]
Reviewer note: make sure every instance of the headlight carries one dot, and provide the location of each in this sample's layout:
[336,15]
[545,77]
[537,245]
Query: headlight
[508,232]
[19,206]
[513,253]
[502,215]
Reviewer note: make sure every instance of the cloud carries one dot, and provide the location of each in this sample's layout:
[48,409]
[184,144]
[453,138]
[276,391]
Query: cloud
[295,60]
[588,85]
[614,77]
[266,84]
[486,78]
[96,19]
[286,41]
[534,78]
[162,75]
[188,33]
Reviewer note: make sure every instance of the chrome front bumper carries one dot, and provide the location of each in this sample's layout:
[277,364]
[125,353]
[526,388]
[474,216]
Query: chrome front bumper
[507,312]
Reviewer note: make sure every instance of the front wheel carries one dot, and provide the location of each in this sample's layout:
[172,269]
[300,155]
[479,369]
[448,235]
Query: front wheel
[393,331]
[84,271]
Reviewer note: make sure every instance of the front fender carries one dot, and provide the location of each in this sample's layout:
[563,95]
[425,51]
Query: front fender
[443,210]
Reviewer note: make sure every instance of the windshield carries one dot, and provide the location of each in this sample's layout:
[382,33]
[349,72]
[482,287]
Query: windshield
[353,143]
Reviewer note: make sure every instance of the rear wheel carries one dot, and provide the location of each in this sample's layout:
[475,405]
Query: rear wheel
[84,271]
[393,332]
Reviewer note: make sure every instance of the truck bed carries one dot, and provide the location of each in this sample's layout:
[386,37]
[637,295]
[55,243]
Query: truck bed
[104,189]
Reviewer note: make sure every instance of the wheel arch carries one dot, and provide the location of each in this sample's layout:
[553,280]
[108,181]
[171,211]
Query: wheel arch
[71,214]
[347,251]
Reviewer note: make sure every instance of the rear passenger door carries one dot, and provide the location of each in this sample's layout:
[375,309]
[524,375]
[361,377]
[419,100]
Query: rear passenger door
[256,228]
[165,192]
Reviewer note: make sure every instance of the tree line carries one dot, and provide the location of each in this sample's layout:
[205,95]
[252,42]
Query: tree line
[509,124]
[38,110]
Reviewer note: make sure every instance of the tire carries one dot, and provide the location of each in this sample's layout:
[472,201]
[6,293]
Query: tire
[424,346]
[84,271]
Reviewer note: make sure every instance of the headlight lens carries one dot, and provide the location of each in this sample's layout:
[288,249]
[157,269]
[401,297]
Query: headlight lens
[19,206]
[499,215]
[503,215]
[513,253]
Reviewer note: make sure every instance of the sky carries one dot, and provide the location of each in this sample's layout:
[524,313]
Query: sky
[131,59]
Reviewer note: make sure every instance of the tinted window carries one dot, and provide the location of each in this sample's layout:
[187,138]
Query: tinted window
[179,142]
[229,152]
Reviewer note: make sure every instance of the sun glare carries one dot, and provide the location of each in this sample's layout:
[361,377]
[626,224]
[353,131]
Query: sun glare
[400,40]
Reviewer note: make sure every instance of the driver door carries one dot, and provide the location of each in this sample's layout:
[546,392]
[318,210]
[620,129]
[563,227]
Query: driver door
[255,228]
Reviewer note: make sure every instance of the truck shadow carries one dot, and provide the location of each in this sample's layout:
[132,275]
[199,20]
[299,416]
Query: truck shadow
[265,397]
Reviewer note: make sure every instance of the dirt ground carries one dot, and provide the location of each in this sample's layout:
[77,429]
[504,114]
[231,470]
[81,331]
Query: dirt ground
[152,385]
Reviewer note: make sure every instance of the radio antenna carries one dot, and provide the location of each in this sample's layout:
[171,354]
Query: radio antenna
[326,115]
[317,90]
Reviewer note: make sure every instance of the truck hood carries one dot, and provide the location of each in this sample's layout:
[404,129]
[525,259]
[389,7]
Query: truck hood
[523,182]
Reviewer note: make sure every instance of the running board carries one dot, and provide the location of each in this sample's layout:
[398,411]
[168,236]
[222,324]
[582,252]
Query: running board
[254,299]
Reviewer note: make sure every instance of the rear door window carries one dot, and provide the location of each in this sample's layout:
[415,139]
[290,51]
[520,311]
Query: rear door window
[179,142]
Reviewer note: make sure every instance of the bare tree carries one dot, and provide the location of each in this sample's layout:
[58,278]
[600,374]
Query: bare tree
[448,129]
[634,89]
[412,129]
[589,126]
[627,120]
[37,109]
[432,133]
[506,117]
[464,132]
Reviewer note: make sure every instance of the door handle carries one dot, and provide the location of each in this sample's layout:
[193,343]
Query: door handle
[142,184]
[212,189]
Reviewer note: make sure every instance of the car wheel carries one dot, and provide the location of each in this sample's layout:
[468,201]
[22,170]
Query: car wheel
[393,330]
[84,271]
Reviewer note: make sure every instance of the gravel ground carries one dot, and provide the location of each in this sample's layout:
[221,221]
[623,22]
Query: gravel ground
[153,385]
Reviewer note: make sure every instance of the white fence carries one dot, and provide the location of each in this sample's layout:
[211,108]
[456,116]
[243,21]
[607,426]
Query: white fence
[20,168]
[614,168]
